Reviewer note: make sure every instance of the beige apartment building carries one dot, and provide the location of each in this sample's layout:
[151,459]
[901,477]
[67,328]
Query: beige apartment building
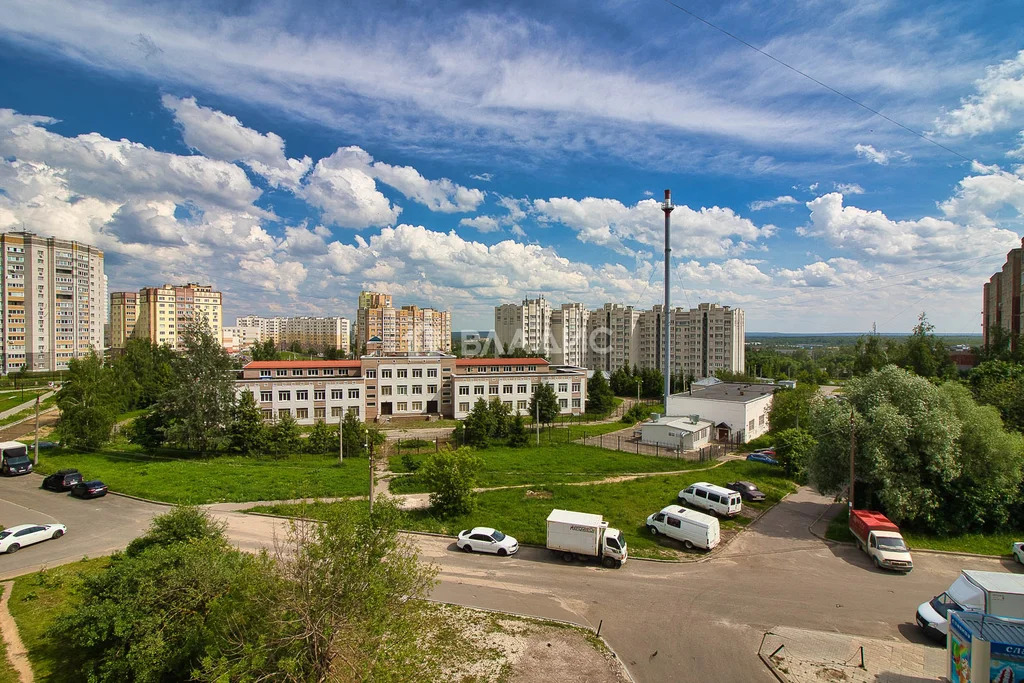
[1001,297]
[124,312]
[569,328]
[380,327]
[310,332]
[613,337]
[54,301]
[380,387]
[164,311]
[524,326]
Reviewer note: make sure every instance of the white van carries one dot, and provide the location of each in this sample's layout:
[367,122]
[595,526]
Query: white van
[694,529]
[715,499]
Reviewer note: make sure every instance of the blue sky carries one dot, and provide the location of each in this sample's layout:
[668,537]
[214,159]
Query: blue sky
[461,155]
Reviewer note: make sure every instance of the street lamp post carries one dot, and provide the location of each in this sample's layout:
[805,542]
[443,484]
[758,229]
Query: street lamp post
[638,383]
[369,450]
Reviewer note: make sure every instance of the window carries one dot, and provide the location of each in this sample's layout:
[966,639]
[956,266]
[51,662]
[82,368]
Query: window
[385,391]
[463,390]
[402,373]
[506,389]
[371,374]
[319,394]
[302,395]
[281,412]
[507,368]
[576,386]
[563,403]
[417,405]
[674,522]
[494,368]
[302,413]
[478,390]
[284,396]
[417,389]
[328,371]
[575,403]
[319,413]
[313,372]
[417,372]
[492,390]
[464,407]
[533,368]
[521,405]
[563,387]
[297,372]
[353,410]
[431,388]
[751,426]
[385,373]
[266,396]
[431,372]
[520,388]
[280,373]
[335,411]
[264,373]
[353,393]
[268,413]
[337,393]
[401,406]
[402,390]
[760,420]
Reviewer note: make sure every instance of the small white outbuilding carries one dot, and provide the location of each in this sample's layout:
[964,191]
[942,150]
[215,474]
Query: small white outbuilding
[687,433]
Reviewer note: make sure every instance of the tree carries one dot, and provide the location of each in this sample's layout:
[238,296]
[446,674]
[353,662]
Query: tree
[544,403]
[793,448]
[501,418]
[264,350]
[600,399]
[622,382]
[322,439]
[248,434]
[1000,384]
[295,347]
[285,437]
[147,430]
[450,476]
[791,407]
[517,434]
[478,427]
[355,436]
[636,413]
[924,354]
[199,400]
[653,382]
[143,372]
[88,403]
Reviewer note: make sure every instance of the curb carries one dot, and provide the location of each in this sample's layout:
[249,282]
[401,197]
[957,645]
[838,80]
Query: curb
[953,553]
[774,669]
[620,660]
[143,500]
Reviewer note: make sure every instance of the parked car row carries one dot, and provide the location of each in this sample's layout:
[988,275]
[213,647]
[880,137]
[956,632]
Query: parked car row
[72,480]
[765,455]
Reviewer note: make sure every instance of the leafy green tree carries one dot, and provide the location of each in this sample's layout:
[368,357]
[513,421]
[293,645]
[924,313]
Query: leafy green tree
[295,347]
[147,430]
[1000,384]
[247,432]
[636,413]
[478,425]
[872,353]
[451,476]
[518,436]
[501,418]
[622,382]
[198,402]
[88,403]
[793,448]
[285,437]
[600,399]
[924,354]
[544,403]
[322,440]
[792,407]
[355,435]
[264,350]
[653,382]
[143,372]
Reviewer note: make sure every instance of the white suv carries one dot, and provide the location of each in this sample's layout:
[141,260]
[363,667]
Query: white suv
[715,499]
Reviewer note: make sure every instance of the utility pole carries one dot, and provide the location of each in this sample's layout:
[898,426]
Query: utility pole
[853,451]
[666,337]
[37,432]
[536,418]
[369,450]
[341,440]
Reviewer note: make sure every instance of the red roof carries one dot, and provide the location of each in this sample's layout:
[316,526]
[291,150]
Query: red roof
[500,361]
[286,364]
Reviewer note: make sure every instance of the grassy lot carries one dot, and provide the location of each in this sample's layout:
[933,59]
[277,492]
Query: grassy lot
[226,478]
[35,603]
[8,674]
[28,412]
[8,401]
[997,543]
[548,464]
[522,512]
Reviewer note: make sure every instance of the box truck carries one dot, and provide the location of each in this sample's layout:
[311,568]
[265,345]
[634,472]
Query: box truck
[580,535]
[974,591]
[881,540]
[14,458]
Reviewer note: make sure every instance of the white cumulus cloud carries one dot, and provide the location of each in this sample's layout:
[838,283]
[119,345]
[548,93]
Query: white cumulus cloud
[762,204]
[999,96]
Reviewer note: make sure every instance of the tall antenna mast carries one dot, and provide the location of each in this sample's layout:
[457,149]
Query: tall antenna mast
[667,208]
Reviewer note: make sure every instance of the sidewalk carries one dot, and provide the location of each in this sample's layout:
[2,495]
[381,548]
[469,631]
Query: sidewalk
[815,656]
[27,404]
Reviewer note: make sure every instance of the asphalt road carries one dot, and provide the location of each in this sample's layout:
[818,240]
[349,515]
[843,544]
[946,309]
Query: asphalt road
[95,527]
[700,621]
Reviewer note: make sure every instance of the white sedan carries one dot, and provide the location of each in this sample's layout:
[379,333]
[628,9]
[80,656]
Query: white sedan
[484,539]
[15,538]
[1018,551]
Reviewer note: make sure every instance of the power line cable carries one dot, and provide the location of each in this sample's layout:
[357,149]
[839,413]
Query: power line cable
[816,81]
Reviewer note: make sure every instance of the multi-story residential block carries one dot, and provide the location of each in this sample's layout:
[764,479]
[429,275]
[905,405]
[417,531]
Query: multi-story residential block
[524,326]
[164,311]
[378,387]
[310,332]
[569,328]
[239,338]
[123,314]
[381,328]
[613,337]
[1001,300]
[54,301]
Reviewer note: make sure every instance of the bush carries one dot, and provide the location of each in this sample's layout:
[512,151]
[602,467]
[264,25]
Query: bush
[450,477]
[410,462]
[637,413]
[763,441]
[415,443]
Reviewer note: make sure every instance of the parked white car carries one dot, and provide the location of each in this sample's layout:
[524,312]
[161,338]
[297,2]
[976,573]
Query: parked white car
[694,529]
[17,537]
[715,499]
[1018,551]
[483,539]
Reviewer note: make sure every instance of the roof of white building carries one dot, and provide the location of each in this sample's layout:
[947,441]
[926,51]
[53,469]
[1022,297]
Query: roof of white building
[683,424]
[739,392]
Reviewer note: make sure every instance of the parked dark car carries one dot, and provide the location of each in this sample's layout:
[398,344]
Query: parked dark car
[763,457]
[747,490]
[16,464]
[89,489]
[62,480]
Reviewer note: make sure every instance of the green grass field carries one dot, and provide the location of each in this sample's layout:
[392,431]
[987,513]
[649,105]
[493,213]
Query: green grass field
[8,674]
[225,478]
[15,399]
[35,603]
[548,464]
[995,543]
[30,411]
[522,512]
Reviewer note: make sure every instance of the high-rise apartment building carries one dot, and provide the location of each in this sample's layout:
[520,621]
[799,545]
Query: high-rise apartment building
[123,313]
[380,327]
[310,332]
[568,345]
[524,326]
[613,337]
[1001,299]
[54,300]
[164,311]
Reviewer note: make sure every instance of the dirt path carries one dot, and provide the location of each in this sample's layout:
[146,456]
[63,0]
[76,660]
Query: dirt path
[16,652]
[18,430]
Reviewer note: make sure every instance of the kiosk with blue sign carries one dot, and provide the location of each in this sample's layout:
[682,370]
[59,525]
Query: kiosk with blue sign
[982,648]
